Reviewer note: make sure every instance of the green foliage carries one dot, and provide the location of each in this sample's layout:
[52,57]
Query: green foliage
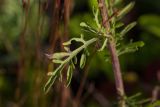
[133,101]
[102,36]
[155,104]
[125,10]
[10,20]
[69,60]
[12,24]
[127,29]
[150,23]
[4,84]
[131,47]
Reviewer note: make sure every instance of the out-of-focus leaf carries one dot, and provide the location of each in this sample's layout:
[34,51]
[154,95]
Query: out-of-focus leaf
[155,104]
[125,10]
[4,85]
[118,25]
[75,60]
[127,28]
[88,28]
[83,24]
[104,45]
[96,18]
[151,23]
[132,47]
[92,3]
[117,2]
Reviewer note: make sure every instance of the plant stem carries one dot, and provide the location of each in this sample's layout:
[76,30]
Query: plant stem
[117,73]
[113,53]
[22,43]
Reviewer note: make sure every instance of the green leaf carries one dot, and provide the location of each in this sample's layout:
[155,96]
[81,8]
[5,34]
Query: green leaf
[134,96]
[155,104]
[83,60]
[66,49]
[150,23]
[117,2]
[127,28]
[57,61]
[119,24]
[88,28]
[82,36]
[96,13]
[52,78]
[69,75]
[136,44]
[57,73]
[92,3]
[125,10]
[72,64]
[133,101]
[50,83]
[83,24]
[87,52]
[59,55]
[104,45]
[75,60]
[132,47]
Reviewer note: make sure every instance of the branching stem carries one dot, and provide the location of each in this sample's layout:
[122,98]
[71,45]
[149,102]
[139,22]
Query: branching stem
[113,53]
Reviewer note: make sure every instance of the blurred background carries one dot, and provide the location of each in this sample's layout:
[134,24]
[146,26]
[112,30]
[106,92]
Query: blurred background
[29,29]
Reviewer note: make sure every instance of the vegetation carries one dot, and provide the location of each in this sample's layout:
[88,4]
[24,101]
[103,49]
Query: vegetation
[35,41]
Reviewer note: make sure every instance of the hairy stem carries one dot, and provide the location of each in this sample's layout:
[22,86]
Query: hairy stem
[114,56]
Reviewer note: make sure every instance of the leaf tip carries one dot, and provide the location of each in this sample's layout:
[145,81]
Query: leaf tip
[142,44]
[83,24]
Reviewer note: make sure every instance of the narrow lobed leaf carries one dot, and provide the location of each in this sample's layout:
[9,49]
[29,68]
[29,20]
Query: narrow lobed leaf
[49,83]
[66,49]
[69,75]
[125,10]
[127,28]
[57,61]
[119,24]
[82,60]
[104,45]
[132,47]
[53,78]
[59,55]
[96,19]
[75,60]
